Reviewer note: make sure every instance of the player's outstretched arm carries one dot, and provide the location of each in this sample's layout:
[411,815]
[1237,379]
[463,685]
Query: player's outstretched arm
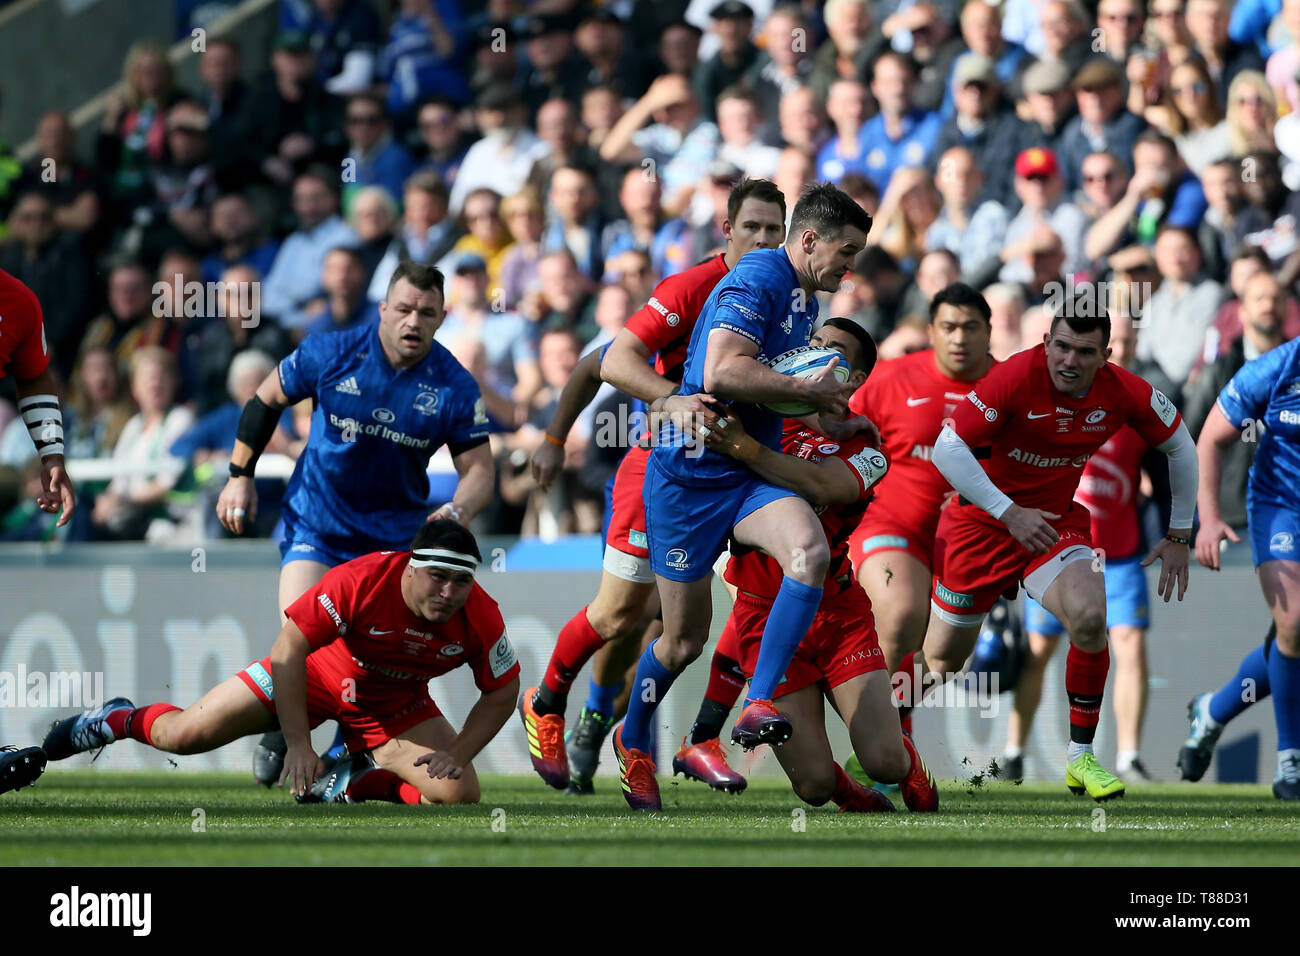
[733,373]
[627,367]
[1216,434]
[576,395]
[289,670]
[237,504]
[484,722]
[1030,526]
[475,487]
[38,404]
[1174,550]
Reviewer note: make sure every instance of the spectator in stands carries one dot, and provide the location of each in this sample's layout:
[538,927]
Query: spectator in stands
[373,219]
[76,189]
[849,49]
[294,122]
[525,219]
[1046,256]
[908,209]
[557,127]
[129,300]
[132,137]
[1006,305]
[679,49]
[53,264]
[795,169]
[504,157]
[601,109]
[237,237]
[862,191]
[933,48]
[610,59]
[982,124]
[130,503]
[1217,233]
[1226,329]
[981,32]
[1065,35]
[1177,316]
[346,35]
[783,65]
[1226,59]
[485,235]
[227,100]
[971,228]
[1271,218]
[445,143]
[509,340]
[901,134]
[184,185]
[1161,192]
[675,112]
[425,235]
[564,299]
[640,198]
[878,285]
[1252,114]
[294,279]
[1045,209]
[732,24]
[423,54]
[937,269]
[1047,104]
[343,279]
[803,120]
[634,271]
[1197,123]
[847,105]
[374,157]
[1103,123]
[554,68]
[1104,181]
[240,326]
[1121,23]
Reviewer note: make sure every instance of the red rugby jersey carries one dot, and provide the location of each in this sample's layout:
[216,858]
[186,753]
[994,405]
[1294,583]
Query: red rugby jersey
[23,352]
[1042,438]
[666,321]
[357,624]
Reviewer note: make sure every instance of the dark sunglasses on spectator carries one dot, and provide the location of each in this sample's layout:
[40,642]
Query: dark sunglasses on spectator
[1197,88]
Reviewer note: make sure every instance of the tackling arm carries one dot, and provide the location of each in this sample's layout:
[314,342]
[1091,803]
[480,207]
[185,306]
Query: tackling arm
[627,367]
[732,372]
[289,667]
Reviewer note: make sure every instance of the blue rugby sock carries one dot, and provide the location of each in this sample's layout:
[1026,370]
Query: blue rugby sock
[1284,676]
[1250,686]
[601,699]
[651,684]
[792,614]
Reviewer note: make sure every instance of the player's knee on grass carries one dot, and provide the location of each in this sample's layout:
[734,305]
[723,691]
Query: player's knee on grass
[448,792]
[814,788]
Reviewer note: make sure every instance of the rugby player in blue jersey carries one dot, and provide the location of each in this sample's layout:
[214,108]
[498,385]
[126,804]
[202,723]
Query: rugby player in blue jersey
[1264,396]
[386,397]
[696,499]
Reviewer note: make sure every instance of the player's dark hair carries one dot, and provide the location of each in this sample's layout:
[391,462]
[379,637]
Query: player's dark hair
[962,296]
[423,277]
[763,190]
[1081,321]
[867,352]
[448,534]
[827,209]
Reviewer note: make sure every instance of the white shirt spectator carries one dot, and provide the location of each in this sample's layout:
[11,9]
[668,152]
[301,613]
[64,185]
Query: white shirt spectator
[138,446]
[498,162]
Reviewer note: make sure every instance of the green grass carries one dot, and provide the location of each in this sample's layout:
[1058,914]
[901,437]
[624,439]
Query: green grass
[85,819]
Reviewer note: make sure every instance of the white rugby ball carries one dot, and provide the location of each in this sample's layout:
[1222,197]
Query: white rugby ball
[804,362]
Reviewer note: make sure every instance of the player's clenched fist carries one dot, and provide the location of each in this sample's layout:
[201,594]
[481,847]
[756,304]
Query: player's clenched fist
[237,506]
[441,763]
[1031,527]
[827,393]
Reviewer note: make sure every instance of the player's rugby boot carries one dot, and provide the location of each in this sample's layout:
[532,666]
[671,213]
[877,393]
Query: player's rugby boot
[865,800]
[636,775]
[1012,769]
[333,785]
[85,731]
[268,758]
[707,763]
[760,723]
[1286,785]
[20,768]
[920,795]
[1086,775]
[1198,749]
[584,742]
[545,742]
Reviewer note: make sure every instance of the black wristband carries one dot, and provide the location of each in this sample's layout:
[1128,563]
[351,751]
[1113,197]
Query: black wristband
[256,426]
[238,471]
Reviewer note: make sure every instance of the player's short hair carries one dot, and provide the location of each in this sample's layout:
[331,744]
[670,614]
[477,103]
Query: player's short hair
[1081,321]
[867,351]
[443,534]
[423,277]
[962,296]
[763,190]
[827,209]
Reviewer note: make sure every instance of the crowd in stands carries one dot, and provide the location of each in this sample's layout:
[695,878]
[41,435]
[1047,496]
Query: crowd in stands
[556,159]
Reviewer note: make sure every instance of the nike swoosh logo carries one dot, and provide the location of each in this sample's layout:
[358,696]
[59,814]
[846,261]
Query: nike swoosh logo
[918,401]
[1032,415]
[373,631]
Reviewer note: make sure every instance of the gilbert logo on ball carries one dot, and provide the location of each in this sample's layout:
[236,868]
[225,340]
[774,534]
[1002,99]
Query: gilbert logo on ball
[804,362]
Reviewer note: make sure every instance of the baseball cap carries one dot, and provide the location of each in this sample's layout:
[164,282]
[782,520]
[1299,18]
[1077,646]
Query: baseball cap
[1036,162]
[1098,73]
[731,10]
[470,262]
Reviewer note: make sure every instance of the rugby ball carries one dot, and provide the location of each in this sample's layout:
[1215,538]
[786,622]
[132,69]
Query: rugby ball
[804,362]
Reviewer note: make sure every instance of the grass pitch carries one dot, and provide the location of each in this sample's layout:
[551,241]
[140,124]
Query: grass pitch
[78,818]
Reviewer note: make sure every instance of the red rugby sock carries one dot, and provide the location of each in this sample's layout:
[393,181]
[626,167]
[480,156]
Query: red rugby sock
[574,647]
[137,723]
[845,787]
[381,784]
[725,680]
[1085,685]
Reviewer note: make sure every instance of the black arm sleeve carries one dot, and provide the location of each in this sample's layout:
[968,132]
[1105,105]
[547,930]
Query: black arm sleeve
[256,426]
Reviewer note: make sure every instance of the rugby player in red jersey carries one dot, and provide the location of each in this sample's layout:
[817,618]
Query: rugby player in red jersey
[839,657]
[360,647]
[1044,412]
[1109,490]
[623,605]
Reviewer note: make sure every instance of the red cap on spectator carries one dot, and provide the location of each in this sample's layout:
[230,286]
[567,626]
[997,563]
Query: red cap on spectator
[1036,162]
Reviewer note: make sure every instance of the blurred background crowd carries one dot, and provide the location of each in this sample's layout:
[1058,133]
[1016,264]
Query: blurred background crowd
[557,159]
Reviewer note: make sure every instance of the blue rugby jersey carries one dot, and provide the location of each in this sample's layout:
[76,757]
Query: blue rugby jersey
[1267,391]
